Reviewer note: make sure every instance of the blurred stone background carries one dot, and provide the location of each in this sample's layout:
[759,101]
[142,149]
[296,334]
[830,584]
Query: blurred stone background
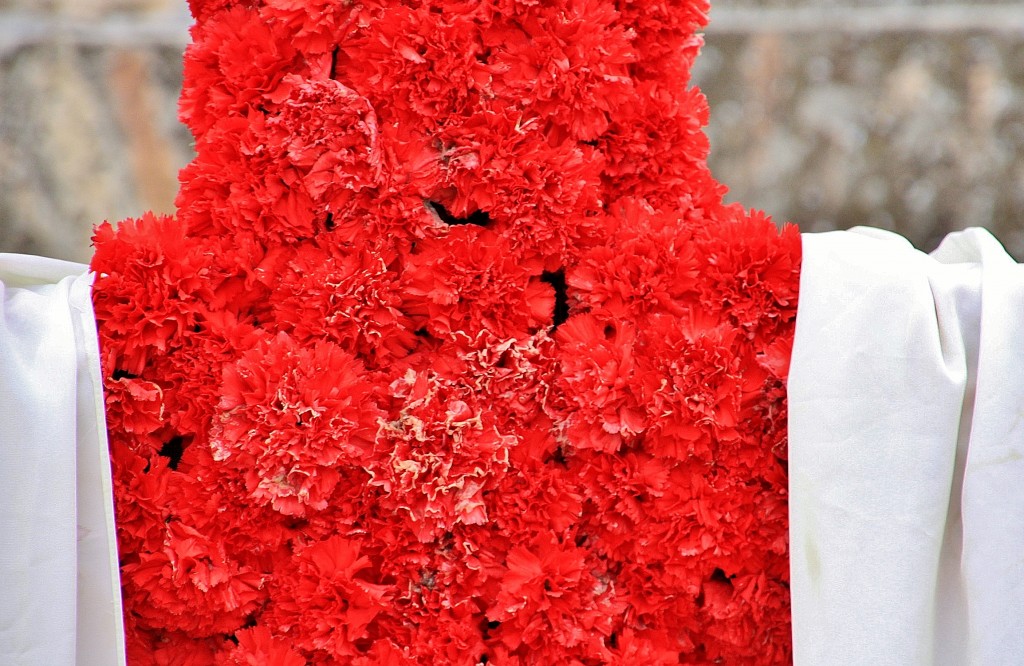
[88,117]
[901,114]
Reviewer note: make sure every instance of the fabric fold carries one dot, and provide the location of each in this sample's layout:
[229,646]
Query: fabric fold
[58,555]
[906,427]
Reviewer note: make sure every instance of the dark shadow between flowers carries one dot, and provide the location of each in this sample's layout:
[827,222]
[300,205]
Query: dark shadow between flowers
[487,626]
[173,450]
[719,576]
[557,280]
[556,457]
[478,218]
[334,63]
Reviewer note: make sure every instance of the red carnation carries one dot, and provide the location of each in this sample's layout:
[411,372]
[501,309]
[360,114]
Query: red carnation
[291,415]
[452,353]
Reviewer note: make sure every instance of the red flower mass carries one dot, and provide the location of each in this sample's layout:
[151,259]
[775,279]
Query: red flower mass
[452,353]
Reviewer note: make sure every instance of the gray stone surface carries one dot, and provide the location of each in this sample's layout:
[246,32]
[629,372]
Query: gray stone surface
[918,133]
[86,135]
[903,114]
[88,118]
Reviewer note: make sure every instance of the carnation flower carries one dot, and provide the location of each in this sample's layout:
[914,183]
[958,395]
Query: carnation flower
[436,458]
[351,298]
[598,371]
[235,63]
[257,647]
[549,594]
[329,600]
[567,63]
[192,585]
[452,353]
[289,416]
[420,64]
[327,133]
[469,281]
[542,192]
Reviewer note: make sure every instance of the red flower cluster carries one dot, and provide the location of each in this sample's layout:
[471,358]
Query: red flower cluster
[452,353]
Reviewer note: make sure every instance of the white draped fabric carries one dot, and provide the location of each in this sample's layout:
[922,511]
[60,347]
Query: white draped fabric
[906,445]
[60,601]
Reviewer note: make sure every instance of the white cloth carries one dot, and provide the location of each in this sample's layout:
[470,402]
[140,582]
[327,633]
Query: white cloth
[906,453]
[60,597]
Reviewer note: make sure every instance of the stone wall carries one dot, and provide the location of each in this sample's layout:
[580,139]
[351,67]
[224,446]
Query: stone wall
[898,114]
[902,116]
[88,117]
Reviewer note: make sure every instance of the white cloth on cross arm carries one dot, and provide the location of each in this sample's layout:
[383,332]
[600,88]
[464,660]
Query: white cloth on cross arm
[906,398]
[60,596]
[906,452]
